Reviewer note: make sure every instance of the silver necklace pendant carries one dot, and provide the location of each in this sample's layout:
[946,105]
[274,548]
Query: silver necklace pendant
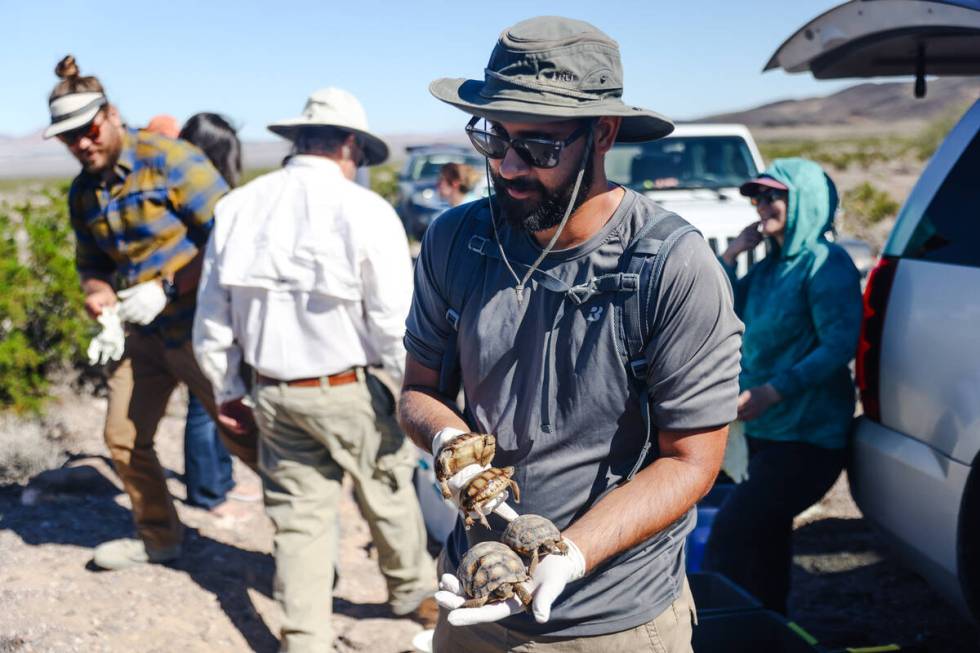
[519,291]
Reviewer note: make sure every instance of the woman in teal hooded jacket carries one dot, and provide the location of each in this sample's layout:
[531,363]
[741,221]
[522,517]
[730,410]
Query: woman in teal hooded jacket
[801,306]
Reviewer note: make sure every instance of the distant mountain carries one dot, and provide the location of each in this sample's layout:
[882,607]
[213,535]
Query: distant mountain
[861,104]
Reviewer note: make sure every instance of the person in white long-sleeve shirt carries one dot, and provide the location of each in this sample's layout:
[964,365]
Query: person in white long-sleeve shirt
[307,279]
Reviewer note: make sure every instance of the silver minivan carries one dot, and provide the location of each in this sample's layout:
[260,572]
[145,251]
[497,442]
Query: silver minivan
[915,471]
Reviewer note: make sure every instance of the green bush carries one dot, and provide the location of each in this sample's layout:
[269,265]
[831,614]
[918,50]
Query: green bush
[43,326]
[867,204]
[384,181]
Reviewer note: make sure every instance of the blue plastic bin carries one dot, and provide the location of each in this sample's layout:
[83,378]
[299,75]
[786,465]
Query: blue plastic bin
[707,509]
[716,594]
[759,631]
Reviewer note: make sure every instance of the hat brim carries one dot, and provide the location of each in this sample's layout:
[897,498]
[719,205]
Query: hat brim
[638,124]
[755,186]
[74,122]
[375,149]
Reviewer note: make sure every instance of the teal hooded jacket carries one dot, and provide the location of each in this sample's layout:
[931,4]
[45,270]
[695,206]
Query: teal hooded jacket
[802,310]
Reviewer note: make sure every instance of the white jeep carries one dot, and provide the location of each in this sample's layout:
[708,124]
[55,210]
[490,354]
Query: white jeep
[696,172]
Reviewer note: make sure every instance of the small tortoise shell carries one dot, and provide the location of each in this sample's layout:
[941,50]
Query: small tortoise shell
[485,486]
[534,537]
[467,449]
[491,572]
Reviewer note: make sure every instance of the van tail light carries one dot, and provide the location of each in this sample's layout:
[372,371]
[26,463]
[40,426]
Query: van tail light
[868,358]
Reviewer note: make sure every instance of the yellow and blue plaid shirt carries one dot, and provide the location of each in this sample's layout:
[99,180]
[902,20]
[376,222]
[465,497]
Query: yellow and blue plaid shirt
[149,221]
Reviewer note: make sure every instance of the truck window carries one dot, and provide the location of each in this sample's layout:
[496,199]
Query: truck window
[681,162]
[949,230]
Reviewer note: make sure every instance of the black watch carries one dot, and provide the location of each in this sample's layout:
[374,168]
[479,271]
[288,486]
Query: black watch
[169,289]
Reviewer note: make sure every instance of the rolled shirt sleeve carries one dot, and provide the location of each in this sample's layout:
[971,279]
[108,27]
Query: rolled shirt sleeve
[215,348]
[693,357]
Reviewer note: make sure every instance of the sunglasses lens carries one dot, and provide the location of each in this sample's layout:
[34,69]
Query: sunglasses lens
[488,144]
[540,154]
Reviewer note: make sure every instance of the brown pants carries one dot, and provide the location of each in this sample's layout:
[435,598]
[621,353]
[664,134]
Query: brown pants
[668,632]
[140,386]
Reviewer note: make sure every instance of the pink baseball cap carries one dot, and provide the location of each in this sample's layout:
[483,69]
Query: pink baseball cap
[755,186]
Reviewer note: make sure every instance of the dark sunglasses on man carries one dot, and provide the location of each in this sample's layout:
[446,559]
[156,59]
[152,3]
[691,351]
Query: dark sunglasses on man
[769,196]
[90,131]
[535,151]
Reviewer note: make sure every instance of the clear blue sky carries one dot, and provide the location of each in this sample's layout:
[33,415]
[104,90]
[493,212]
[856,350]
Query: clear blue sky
[257,62]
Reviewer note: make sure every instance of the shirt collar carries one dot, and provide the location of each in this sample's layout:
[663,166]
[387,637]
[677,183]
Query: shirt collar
[127,156]
[313,161]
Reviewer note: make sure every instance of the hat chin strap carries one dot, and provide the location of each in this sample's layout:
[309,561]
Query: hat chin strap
[522,282]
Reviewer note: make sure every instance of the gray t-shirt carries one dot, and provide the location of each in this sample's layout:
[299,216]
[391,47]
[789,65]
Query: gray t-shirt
[546,376]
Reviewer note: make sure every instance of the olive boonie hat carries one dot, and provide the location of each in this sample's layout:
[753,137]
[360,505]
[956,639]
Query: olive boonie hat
[552,68]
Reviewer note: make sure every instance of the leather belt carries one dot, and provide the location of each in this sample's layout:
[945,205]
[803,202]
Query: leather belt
[340,378]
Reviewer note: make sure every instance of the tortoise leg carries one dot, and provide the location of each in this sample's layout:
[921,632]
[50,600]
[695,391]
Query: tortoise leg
[562,547]
[522,594]
[517,490]
[483,518]
[534,562]
[467,521]
[475,603]
[444,486]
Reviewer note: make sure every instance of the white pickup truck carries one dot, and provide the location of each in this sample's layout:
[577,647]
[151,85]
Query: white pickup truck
[696,172]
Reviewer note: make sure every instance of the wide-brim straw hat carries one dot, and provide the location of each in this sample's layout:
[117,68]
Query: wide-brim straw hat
[551,68]
[334,107]
[72,111]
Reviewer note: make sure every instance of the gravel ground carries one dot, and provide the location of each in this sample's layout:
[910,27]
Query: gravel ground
[847,591]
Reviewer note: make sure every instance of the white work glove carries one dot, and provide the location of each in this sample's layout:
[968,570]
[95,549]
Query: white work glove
[547,583]
[110,343]
[458,481]
[142,303]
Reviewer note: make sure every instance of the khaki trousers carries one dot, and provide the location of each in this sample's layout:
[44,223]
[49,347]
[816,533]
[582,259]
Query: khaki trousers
[668,632]
[309,438]
[140,386]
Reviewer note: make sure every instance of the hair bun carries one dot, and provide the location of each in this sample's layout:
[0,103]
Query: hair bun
[66,68]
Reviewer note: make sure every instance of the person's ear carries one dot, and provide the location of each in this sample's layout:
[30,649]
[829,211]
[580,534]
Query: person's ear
[605,131]
[346,150]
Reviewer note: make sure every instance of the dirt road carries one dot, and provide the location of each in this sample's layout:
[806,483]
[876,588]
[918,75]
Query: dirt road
[847,591]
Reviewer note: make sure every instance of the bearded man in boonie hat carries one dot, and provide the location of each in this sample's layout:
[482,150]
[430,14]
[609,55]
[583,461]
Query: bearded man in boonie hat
[592,333]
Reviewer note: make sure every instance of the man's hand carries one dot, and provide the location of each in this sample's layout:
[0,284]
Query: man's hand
[547,583]
[99,299]
[143,302]
[235,416]
[457,482]
[754,402]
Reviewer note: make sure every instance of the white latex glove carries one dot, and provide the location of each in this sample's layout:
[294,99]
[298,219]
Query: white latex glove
[142,303]
[736,460]
[110,343]
[458,481]
[547,583]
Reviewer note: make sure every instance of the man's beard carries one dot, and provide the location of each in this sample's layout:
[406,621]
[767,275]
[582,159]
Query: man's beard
[545,212]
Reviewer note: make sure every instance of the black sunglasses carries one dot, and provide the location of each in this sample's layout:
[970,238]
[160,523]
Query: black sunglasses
[769,196]
[536,151]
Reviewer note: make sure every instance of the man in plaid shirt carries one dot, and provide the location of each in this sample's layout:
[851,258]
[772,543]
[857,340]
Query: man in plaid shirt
[142,210]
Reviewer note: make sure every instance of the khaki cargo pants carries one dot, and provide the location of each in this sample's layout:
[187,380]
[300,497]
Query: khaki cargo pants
[140,386]
[668,632]
[309,438]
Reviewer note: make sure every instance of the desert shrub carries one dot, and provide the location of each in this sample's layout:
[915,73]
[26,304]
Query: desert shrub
[927,141]
[43,326]
[384,181]
[868,204]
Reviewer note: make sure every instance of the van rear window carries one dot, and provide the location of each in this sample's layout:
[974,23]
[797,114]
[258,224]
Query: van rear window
[949,231]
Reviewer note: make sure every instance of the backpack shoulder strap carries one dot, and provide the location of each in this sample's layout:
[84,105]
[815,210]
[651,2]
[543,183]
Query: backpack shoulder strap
[645,257]
[465,261]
